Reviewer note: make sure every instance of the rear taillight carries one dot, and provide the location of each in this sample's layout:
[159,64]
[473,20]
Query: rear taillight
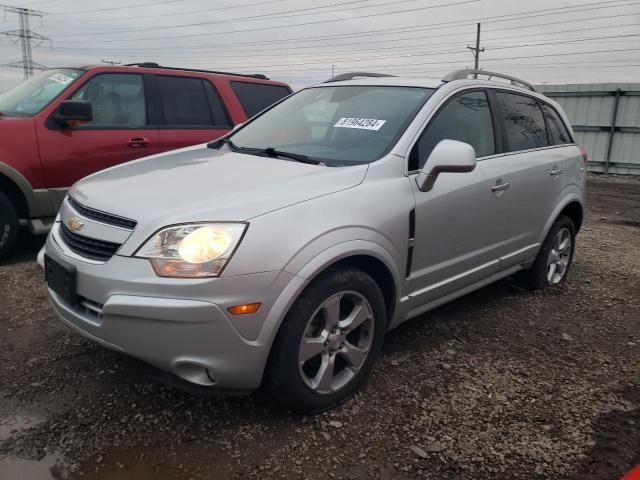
[585,155]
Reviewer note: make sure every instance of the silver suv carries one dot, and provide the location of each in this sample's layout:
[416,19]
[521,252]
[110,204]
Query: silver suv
[281,253]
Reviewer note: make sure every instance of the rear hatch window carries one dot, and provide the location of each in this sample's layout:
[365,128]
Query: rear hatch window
[255,97]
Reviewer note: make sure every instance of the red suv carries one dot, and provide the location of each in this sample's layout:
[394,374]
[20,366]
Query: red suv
[66,123]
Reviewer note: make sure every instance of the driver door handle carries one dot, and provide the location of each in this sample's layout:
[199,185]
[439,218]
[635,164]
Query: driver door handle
[500,186]
[138,142]
[555,171]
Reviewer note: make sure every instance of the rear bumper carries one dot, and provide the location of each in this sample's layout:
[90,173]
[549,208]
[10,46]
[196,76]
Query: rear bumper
[178,325]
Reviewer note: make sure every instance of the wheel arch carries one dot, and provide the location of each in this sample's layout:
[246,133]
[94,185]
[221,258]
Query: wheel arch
[15,194]
[377,270]
[365,255]
[575,212]
[571,206]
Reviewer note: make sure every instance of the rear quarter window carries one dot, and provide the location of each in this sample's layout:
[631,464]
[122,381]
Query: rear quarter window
[559,134]
[255,97]
[523,122]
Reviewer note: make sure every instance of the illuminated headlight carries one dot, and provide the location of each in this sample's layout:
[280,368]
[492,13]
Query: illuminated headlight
[193,251]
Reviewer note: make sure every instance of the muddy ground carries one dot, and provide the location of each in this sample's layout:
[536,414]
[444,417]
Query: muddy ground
[502,384]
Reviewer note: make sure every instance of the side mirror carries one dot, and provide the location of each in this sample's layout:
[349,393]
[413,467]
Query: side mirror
[71,111]
[447,156]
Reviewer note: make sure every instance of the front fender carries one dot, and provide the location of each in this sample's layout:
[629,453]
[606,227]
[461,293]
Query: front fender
[305,273]
[318,264]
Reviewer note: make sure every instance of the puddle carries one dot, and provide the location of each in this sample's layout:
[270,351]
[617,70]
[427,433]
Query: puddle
[16,468]
[14,424]
[150,464]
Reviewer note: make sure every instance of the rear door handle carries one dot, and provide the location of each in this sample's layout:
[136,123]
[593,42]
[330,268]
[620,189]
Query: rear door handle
[138,142]
[555,171]
[500,186]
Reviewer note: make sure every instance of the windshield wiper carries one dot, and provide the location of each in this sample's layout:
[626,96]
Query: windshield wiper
[272,152]
[269,151]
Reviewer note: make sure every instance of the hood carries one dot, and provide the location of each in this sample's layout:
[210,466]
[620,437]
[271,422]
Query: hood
[202,184]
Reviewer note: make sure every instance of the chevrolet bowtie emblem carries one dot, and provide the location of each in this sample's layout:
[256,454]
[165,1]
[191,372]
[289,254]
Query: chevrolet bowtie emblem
[75,224]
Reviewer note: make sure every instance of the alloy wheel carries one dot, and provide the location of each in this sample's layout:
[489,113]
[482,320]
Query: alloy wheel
[559,256]
[336,342]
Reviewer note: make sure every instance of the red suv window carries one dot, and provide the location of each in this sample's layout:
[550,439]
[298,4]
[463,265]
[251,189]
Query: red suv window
[255,97]
[190,102]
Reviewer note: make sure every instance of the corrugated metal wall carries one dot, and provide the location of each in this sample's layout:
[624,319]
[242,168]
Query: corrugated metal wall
[606,120]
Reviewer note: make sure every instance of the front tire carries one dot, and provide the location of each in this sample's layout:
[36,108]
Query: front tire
[328,342]
[9,225]
[551,266]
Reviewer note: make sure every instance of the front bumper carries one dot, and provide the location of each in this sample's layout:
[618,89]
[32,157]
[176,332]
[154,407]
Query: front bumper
[179,325]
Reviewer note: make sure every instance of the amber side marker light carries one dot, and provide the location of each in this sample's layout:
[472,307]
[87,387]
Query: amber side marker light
[244,309]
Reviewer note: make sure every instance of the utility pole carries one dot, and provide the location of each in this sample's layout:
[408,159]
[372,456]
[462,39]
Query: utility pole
[333,69]
[112,62]
[476,50]
[26,37]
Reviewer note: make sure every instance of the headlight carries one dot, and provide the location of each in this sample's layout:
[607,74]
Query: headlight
[195,250]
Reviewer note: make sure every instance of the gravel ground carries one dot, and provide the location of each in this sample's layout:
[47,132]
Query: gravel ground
[502,384]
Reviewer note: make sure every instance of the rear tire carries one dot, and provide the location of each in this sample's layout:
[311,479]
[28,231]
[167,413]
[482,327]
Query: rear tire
[9,225]
[552,264]
[328,342]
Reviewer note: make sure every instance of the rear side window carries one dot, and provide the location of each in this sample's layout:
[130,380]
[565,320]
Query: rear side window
[559,135]
[466,118]
[188,102]
[255,97]
[117,100]
[523,121]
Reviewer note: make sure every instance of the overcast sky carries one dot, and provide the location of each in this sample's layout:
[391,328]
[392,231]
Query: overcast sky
[300,41]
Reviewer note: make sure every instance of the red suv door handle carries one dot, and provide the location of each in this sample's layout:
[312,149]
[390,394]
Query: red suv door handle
[138,142]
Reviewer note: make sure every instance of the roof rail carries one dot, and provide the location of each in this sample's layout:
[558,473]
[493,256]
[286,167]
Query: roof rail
[352,75]
[156,65]
[463,74]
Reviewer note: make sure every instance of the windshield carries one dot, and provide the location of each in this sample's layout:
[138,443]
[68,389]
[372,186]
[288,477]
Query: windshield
[340,125]
[32,95]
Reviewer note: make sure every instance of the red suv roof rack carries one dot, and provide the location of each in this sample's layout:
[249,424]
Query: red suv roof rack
[156,65]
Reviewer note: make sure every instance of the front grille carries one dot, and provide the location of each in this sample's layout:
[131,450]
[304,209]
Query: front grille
[88,247]
[102,216]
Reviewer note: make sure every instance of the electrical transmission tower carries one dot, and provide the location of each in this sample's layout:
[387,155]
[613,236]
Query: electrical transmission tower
[26,38]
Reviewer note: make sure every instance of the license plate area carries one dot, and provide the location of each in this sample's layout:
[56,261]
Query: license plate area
[61,279]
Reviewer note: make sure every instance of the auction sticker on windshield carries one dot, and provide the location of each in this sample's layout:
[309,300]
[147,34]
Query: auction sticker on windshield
[362,123]
[60,78]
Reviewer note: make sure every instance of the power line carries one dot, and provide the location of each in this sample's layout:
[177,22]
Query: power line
[402,30]
[164,37]
[431,53]
[139,5]
[521,57]
[39,1]
[26,37]
[324,38]
[284,14]
[581,63]
[175,14]
[334,52]
[386,66]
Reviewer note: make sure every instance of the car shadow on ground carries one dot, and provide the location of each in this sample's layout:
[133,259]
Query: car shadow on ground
[430,331]
[26,249]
